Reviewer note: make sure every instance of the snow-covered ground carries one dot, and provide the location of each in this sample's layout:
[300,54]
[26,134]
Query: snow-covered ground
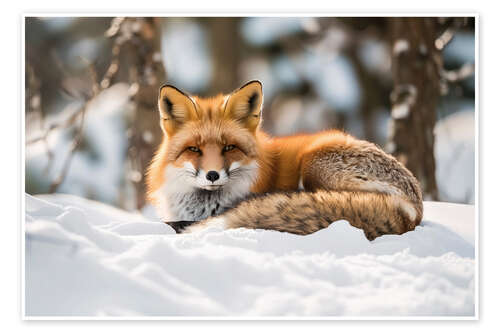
[86,258]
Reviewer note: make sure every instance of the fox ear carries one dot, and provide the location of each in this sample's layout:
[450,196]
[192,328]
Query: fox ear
[176,108]
[245,105]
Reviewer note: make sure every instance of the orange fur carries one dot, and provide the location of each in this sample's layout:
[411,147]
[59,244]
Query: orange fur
[332,161]
[279,159]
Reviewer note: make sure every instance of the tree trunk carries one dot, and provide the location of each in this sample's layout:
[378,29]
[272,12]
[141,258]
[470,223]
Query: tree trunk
[225,54]
[142,59]
[415,70]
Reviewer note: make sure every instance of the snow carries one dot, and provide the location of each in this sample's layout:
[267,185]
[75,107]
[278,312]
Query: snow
[334,80]
[57,24]
[321,64]
[95,172]
[186,55]
[455,151]
[400,111]
[264,30]
[258,67]
[296,115]
[85,258]
[400,46]
[375,56]
[82,52]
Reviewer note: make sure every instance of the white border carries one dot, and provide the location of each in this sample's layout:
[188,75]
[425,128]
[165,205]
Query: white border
[23,167]
[249,318]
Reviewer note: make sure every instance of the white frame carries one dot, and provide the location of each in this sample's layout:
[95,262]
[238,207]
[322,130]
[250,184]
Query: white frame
[260,318]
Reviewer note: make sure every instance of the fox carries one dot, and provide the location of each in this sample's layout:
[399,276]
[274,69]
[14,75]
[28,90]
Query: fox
[215,166]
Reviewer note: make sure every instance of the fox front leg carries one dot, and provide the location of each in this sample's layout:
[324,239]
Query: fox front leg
[180,226]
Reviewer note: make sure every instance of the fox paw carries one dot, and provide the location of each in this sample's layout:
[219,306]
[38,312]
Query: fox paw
[180,226]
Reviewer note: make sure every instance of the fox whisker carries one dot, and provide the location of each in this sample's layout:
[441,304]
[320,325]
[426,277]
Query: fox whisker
[190,173]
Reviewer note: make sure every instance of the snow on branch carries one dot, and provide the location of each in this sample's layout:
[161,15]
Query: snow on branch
[464,72]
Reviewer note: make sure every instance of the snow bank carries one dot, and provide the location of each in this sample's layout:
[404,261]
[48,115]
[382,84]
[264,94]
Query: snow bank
[454,150]
[87,258]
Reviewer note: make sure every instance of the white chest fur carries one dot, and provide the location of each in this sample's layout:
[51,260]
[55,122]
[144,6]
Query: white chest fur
[200,204]
[180,199]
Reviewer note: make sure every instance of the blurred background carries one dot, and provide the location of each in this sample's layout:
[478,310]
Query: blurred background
[406,84]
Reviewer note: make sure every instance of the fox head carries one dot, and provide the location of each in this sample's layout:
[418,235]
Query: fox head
[210,143]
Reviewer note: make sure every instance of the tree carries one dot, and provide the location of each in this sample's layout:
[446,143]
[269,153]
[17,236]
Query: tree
[137,51]
[416,64]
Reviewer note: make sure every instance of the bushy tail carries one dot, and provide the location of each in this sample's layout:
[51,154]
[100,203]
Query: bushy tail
[306,212]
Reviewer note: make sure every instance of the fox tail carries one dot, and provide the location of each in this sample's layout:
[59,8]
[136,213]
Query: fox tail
[303,213]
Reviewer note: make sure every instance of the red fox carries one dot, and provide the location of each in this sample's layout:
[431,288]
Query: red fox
[215,166]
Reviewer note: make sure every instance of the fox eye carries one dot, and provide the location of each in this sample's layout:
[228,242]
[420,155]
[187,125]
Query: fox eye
[194,149]
[228,148]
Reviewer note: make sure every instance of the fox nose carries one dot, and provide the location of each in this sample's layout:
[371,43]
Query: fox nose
[212,176]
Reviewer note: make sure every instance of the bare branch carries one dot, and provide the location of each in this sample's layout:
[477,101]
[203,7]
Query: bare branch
[444,38]
[145,74]
[76,142]
[97,87]
[453,76]
[79,135]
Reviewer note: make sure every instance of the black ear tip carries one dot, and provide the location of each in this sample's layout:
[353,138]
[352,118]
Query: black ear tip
[258,82]
[252,82]
[165,86]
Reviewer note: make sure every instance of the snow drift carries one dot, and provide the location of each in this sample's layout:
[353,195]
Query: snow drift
[84,258]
